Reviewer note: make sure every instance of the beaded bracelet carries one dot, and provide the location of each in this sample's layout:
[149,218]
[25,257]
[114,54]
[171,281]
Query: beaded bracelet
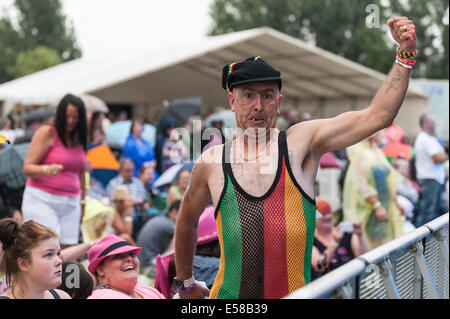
[413,62]
[405,64]
[407,55]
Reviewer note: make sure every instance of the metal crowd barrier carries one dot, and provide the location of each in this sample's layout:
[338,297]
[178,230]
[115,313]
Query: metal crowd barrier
[413,266]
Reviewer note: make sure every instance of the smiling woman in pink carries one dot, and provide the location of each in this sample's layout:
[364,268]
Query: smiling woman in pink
[115,266]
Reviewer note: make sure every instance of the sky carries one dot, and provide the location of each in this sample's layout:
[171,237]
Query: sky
[104,26]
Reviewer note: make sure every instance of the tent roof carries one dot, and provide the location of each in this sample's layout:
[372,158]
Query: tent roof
[195,69]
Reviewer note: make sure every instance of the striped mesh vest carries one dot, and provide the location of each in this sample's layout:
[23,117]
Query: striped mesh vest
[266,242]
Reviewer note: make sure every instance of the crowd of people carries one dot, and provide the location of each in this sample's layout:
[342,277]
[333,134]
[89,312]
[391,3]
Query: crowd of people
[118,234]
[61,190]
[382,198]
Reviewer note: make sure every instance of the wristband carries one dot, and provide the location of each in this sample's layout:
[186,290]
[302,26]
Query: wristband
[409,55]
[128,219]
[399,59]
[190,288]
[406,66]
[184,285]
[82,202]
[377,204]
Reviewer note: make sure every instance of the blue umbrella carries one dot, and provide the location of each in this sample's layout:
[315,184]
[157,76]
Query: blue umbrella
[118,132]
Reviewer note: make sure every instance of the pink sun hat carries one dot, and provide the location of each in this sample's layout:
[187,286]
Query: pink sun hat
[207,228]
[108,246]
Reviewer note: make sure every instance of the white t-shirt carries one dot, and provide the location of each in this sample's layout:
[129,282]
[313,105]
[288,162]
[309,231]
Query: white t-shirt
[426,146]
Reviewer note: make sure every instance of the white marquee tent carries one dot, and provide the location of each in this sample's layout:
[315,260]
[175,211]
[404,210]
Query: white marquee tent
[314,80]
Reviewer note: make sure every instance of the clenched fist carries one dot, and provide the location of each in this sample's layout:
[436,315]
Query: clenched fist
[403,31]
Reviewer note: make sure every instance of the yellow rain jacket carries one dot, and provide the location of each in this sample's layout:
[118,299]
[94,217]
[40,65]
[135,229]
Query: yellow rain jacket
[369,173]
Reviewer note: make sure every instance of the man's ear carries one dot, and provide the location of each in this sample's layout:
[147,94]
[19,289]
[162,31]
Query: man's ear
[231,100]
[280,101]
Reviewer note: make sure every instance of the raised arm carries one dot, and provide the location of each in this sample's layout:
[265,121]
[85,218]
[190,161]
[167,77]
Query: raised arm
[195,200]
[351,127]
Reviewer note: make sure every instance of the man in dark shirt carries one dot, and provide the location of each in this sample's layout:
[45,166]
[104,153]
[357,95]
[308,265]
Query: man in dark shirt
[156,237]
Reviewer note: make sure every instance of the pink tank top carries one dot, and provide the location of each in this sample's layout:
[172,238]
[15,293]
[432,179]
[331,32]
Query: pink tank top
[67,182]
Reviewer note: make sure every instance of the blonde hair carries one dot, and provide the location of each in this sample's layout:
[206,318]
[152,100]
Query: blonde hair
[120,193]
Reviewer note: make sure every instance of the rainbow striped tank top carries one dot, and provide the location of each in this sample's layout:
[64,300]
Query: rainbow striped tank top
[266,242]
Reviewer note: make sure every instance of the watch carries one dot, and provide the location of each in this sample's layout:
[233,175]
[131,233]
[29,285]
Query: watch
[184,284]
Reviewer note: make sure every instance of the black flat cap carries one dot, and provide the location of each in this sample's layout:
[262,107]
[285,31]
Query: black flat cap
[251,70]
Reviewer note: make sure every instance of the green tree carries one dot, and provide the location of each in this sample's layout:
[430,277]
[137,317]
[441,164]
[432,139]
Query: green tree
[431,20]
[340,26]
[8,48]
[236,15]
[40,32]
[35,60]
[42,23]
